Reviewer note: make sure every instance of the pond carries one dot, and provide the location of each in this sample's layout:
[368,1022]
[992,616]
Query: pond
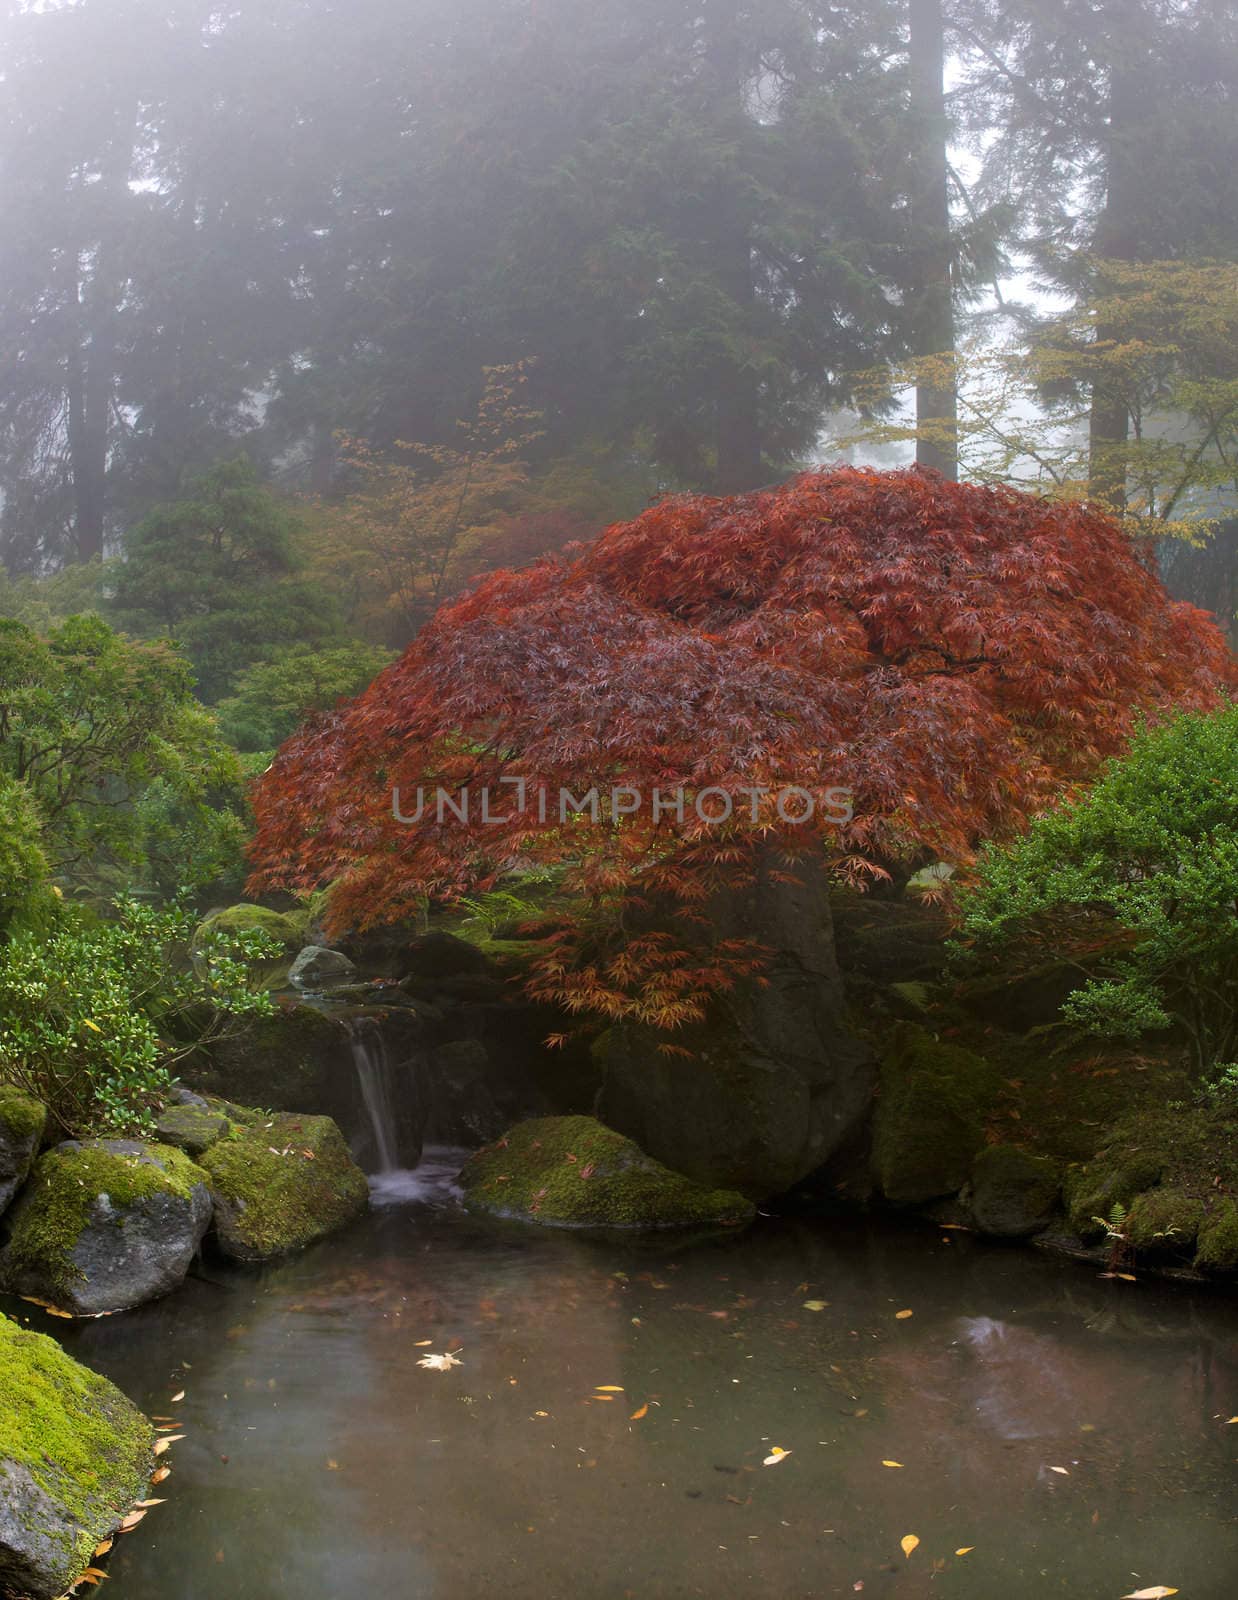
[606,1430]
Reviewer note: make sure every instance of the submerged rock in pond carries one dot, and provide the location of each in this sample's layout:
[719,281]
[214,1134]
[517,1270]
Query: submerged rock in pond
[1014,1193]
[319,968]
[281,1184]
[74,1457]
[929,1121]
[22,1121]
[574,1172]
[105,1226]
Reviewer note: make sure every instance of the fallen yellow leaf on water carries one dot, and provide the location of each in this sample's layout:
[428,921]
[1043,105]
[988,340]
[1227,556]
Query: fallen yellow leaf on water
[776,1455]
[420,1344]
[177,1398]
[146,1505]
[161,1475]
[608,1388]
[1231,1421]
[1157,1592]
[162,1444]
[637,1415]
[901,1316]
[131,1521]
[440,1363]
[815,1305]
[908,1543]
[1062,1470]
[965,1550]
[609,1398]
[891,1463]
[102,1549]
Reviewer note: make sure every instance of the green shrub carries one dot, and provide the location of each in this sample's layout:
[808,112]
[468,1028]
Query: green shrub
[1139,877]
[95,1015]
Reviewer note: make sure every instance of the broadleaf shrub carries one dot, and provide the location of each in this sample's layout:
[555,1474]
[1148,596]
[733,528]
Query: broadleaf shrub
[1139,878]
[95,1014]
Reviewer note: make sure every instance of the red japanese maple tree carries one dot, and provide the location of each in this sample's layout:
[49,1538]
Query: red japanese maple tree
[954,657]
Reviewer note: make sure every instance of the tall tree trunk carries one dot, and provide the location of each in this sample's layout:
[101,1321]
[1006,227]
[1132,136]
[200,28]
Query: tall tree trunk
[91,374]
[1117,239]
[937,393]
[89,386]
[738,427]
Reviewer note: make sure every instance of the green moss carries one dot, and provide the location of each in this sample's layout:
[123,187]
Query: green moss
[21,1115]
[574,1172]
[1109,1182]
[193,1129]
[63,1188]
[289,928]
[929,1120]
[1217,1244]
[281,1184]
[285,1061]
[1164,1221]
[76,1436]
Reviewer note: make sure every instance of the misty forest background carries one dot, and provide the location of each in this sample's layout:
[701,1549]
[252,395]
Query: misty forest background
[311,312]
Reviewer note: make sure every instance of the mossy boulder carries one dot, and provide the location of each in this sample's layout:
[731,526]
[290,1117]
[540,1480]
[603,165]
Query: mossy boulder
[193,1126]
[572,1172]
[105,1226]
[22,1122]
[280,1185]
[929,1121]
[1014,1192]
[1217,1241]
[1164,1222]
[1108,1185]
[288,928]
[74,1457]
[291,1061]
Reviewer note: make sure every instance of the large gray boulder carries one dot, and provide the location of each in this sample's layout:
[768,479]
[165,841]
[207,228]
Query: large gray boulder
[22,1121]
[774,1083]
[318,968]
[105,1226]
[74,1457]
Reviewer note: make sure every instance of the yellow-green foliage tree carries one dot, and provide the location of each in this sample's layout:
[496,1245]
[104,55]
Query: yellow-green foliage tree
[1158,339]
[416,518]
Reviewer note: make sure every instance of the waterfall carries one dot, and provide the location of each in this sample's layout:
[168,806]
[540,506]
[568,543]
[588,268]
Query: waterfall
[369,1053]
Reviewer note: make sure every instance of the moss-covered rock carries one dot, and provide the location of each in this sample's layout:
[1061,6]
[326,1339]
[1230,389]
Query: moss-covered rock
[192,1128]
[288,928]
[1108,1185]
[74,1457]
[22,1122]
[280,1185]
[1164,1221]
[572,1172]
[1014,1192]
[287,1062]
[1217,1241]
[929,1120]
[105,1226]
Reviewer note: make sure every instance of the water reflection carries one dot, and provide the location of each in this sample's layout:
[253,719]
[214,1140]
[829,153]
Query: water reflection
[1072,1431]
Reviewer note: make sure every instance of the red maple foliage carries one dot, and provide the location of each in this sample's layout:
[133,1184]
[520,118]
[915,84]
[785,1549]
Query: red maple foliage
[955,657]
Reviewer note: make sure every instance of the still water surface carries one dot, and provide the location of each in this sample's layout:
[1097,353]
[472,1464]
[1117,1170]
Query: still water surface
[1072,1431]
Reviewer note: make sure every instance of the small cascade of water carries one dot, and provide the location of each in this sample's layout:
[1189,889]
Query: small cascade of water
[369,1053]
